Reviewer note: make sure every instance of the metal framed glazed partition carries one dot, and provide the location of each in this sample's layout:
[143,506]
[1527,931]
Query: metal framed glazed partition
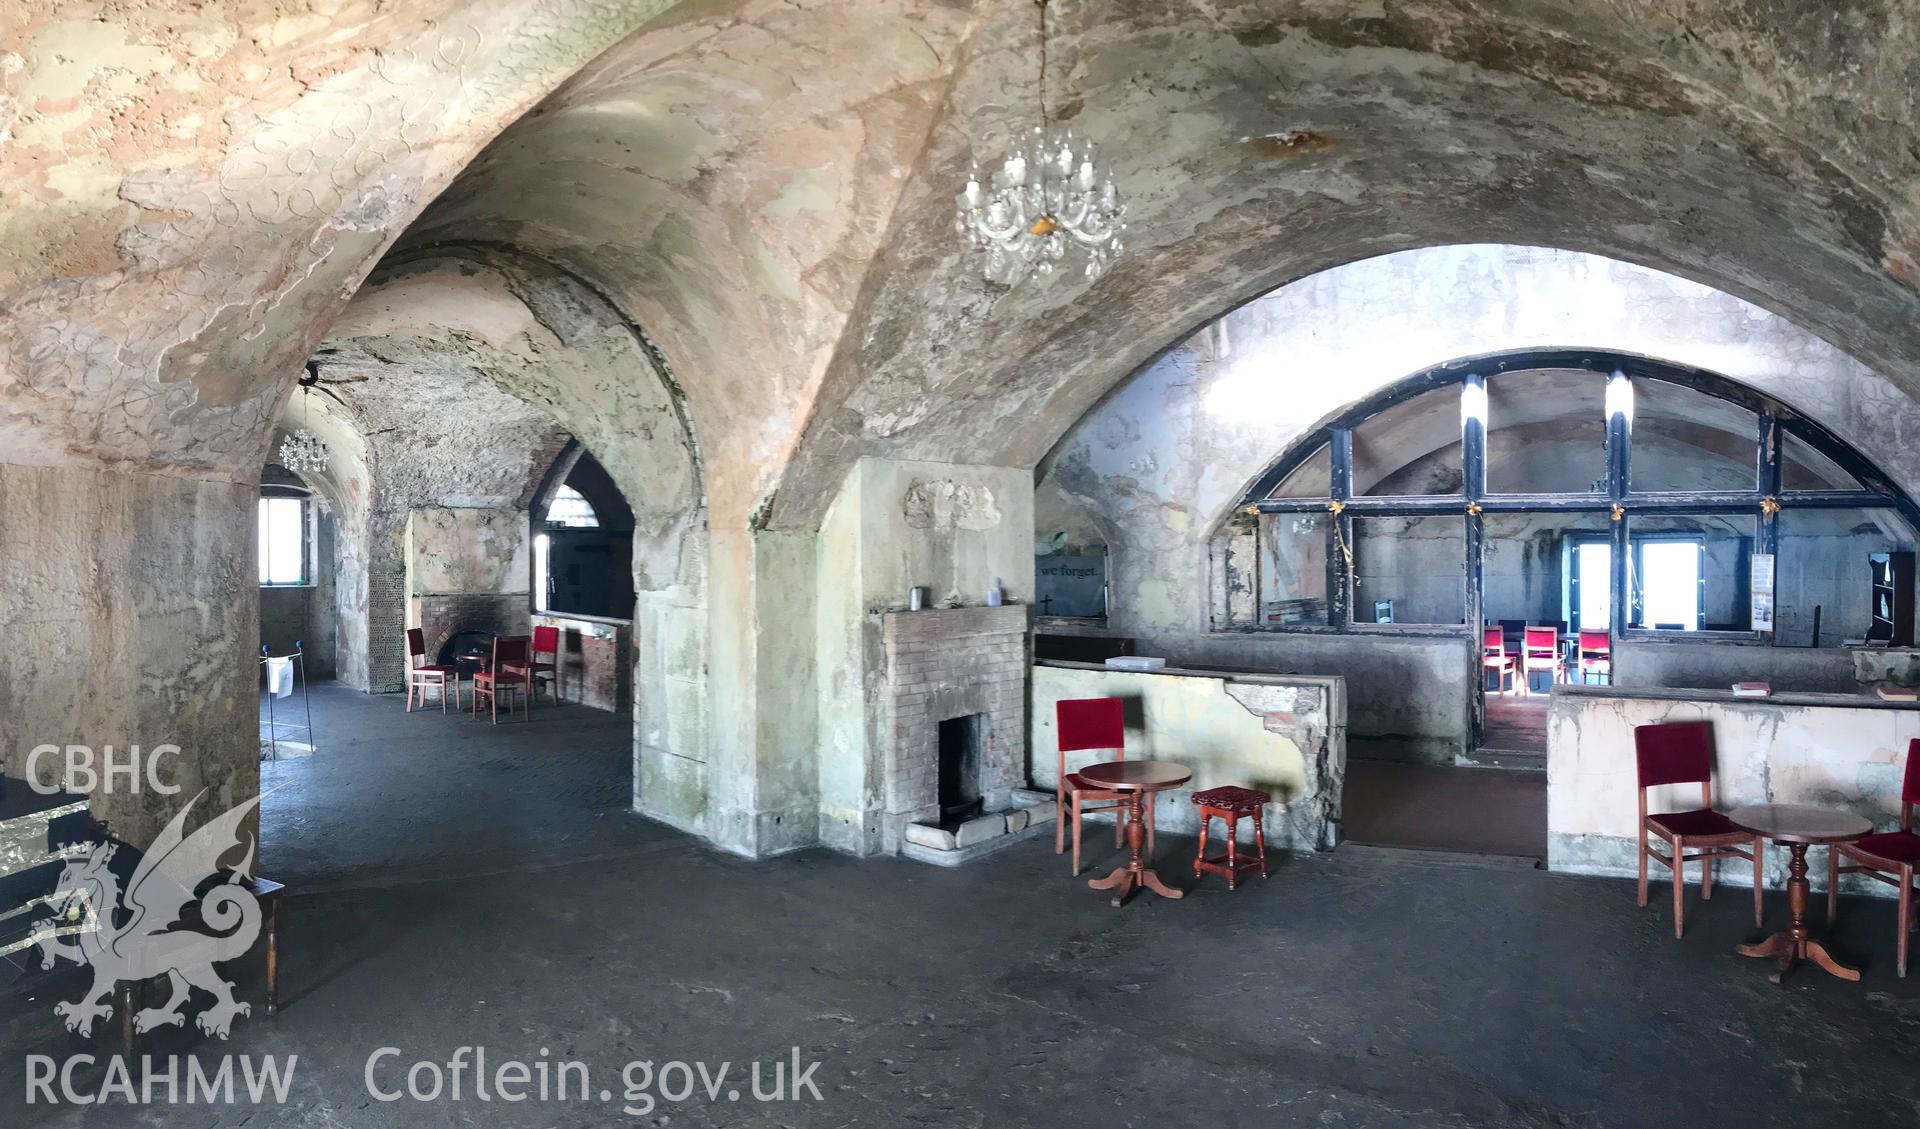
[1602,447]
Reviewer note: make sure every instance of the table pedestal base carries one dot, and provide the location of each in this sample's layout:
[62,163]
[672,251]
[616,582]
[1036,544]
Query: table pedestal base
[1793,945]
[1134,872]
[1790,952]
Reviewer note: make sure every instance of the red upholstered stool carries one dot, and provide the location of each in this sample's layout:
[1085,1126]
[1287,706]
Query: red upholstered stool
[1231,803]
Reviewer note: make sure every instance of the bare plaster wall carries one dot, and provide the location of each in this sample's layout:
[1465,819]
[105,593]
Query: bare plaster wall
[450,551]
[1278,736]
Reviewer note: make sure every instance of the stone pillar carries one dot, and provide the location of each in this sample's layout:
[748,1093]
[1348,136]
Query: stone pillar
[761,782]
[129,610]
[672,708]
[955,529]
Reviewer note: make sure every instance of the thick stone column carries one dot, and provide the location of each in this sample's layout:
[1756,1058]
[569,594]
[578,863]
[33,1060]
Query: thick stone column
[129,614]
[955,529]
[761,782]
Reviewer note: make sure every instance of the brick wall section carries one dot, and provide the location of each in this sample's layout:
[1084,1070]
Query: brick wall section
[595,665]
[496,613]
[949,663]
[386,632]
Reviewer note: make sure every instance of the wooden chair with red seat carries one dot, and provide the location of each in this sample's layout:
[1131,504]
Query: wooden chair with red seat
[1681,752]
[422,674]
[1540,650]
[1596,654]
[1083,724]
[499,676]
[546,641]
[1889,856]
[1495,660]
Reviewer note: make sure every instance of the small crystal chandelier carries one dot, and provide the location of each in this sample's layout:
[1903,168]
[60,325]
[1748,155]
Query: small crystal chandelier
[303,452]
[1046,200]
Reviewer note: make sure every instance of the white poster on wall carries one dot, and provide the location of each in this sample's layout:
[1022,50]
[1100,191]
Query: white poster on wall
[1762,589]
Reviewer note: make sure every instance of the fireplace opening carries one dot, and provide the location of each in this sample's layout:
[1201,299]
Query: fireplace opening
[467,651]
[960,758]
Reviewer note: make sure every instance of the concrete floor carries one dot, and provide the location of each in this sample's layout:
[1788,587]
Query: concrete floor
[1365,988]
[391,796]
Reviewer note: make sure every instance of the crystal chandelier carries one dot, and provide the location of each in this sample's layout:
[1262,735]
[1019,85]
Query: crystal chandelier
[1046,201]
[303,452]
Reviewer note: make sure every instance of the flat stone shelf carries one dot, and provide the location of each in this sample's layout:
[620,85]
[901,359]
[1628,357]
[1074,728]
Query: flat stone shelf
[1866,700]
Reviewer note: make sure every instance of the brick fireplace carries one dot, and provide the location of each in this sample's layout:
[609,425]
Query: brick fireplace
[961,671]
[491,613]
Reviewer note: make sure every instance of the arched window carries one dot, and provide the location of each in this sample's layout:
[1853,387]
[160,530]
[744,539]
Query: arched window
[571,509]
[1592,489]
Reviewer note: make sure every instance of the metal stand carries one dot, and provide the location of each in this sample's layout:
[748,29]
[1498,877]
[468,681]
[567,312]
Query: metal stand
[306,693]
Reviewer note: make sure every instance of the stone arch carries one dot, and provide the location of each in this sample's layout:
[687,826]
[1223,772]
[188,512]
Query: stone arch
[1306,353]
[1309,350]
[468,319]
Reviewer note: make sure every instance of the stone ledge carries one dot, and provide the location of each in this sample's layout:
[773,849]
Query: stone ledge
[944,624]
[964,855]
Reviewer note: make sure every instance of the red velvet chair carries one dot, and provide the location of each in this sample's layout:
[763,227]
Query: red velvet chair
[1596,654]
[1082,724]
[421,674]
[1889,857]
[546,641]
[1495,660]
[1681,752]
[1539,650]
[500,676]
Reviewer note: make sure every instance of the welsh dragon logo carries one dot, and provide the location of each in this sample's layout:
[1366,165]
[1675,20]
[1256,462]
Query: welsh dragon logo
[139,933]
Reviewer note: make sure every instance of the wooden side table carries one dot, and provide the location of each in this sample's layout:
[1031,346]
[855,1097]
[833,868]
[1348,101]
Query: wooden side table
[1135,780]
[1798,826]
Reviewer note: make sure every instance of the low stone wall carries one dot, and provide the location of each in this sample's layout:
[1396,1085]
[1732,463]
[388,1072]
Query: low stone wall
[1658,663]
[1406,696]
[594,667]
[1843,751]
[1284,734]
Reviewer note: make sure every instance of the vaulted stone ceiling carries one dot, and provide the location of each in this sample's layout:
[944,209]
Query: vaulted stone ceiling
[1761,148]
[190,193]
[765,189]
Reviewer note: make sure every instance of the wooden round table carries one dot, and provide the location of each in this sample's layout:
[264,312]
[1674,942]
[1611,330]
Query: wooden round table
[1798,826]
[1134,780]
